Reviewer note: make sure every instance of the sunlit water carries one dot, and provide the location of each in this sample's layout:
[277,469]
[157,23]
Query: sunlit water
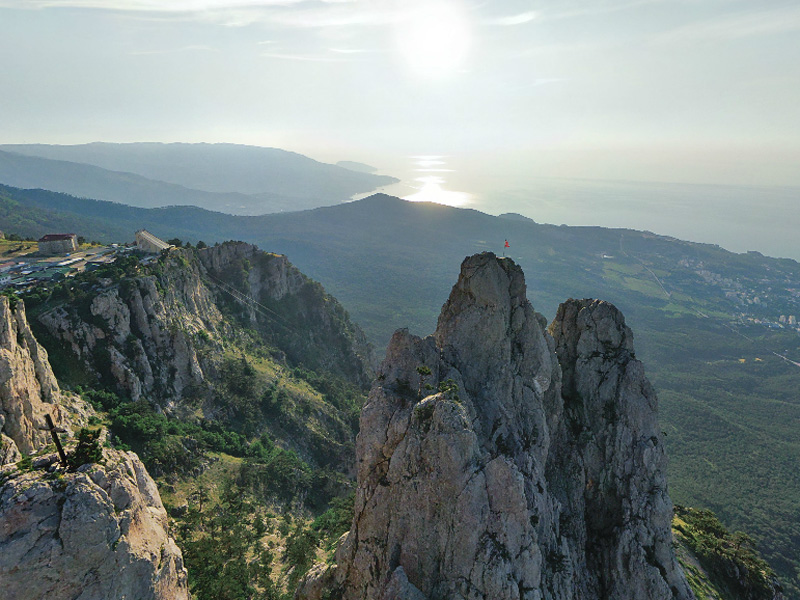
[738,218]
[427,182]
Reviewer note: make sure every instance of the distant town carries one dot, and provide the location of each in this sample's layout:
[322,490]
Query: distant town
[772,301]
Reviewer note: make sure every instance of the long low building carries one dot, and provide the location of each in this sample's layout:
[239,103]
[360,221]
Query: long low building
[58,243]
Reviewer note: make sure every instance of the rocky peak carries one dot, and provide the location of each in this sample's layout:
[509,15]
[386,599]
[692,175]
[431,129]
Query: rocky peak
[497,486]
[296,314]
[591,334]
[101,532]
[221,257]
[266,273]
[494,345]
[611,430]
[28,388]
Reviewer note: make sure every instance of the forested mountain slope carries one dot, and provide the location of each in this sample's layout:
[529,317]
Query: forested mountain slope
[707,323]
[238,381]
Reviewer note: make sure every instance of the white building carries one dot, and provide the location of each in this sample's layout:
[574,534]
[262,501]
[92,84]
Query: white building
[147,242]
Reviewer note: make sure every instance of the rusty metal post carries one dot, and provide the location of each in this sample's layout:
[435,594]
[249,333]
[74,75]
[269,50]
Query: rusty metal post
[51,426]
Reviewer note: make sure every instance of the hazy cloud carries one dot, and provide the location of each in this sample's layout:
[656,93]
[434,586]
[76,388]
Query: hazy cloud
[174,50]
[740,25]
[147,5]
[305,57]
[519,19]
[353,51]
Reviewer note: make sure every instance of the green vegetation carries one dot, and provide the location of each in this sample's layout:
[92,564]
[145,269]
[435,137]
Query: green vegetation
[25,464]
[730,437]
[222,546]
[269,432]
[730,425]
[236,547]
[231,541]
[719,564]
[31,222]
[87,449]
[79,291]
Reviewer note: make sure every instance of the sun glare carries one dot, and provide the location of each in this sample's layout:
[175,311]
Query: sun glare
[435,39]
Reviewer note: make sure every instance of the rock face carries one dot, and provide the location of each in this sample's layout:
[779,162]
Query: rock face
[161,336]
[95,534]
[310,326]
[28,388]
[143,335]
[536,472]
[610,413]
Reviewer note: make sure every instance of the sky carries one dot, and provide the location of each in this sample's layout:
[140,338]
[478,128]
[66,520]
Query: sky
[693,91]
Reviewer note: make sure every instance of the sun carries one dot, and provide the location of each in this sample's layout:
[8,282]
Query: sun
[434,40]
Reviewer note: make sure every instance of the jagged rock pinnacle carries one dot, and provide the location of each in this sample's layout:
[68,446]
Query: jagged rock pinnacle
[497,486]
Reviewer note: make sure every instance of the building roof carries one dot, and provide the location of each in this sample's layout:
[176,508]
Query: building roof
[57,237]
[145,236]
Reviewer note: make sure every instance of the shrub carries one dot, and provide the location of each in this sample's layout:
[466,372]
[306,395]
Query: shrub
[87,450]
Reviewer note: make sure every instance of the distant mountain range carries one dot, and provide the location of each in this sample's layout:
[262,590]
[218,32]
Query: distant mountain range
[708,321]
[356,166]
[236,179]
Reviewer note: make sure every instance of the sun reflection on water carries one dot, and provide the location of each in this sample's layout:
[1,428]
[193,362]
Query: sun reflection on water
[431,188]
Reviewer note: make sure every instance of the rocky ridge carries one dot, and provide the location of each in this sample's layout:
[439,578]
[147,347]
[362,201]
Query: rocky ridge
[140,335]
[283,301]
[536,471]
[98,533]
[160,335]
[28,388]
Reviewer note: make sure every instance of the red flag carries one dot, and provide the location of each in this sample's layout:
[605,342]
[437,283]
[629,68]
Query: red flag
[507,245]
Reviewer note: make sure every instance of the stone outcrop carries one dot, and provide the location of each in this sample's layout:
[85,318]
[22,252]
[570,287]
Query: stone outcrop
[146,335]
[28,388]
[161,336]
[536,470]
[98,533]
[310,326]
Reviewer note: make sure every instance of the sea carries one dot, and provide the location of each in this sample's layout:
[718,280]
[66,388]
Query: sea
[738,218]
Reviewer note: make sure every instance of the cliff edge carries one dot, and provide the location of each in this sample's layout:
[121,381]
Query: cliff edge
[28,388]
[497,459]
[99,533]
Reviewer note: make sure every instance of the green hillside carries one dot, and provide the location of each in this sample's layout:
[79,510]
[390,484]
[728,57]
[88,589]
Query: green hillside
[707,325]
[253,459]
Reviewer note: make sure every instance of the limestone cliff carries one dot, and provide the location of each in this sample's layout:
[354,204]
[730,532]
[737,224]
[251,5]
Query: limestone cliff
[28,388]
[537,471]
[160,332]
[310,326]
[140,335]
[99,533]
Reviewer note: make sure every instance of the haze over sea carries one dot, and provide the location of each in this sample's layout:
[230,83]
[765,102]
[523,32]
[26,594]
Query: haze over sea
[739,218]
